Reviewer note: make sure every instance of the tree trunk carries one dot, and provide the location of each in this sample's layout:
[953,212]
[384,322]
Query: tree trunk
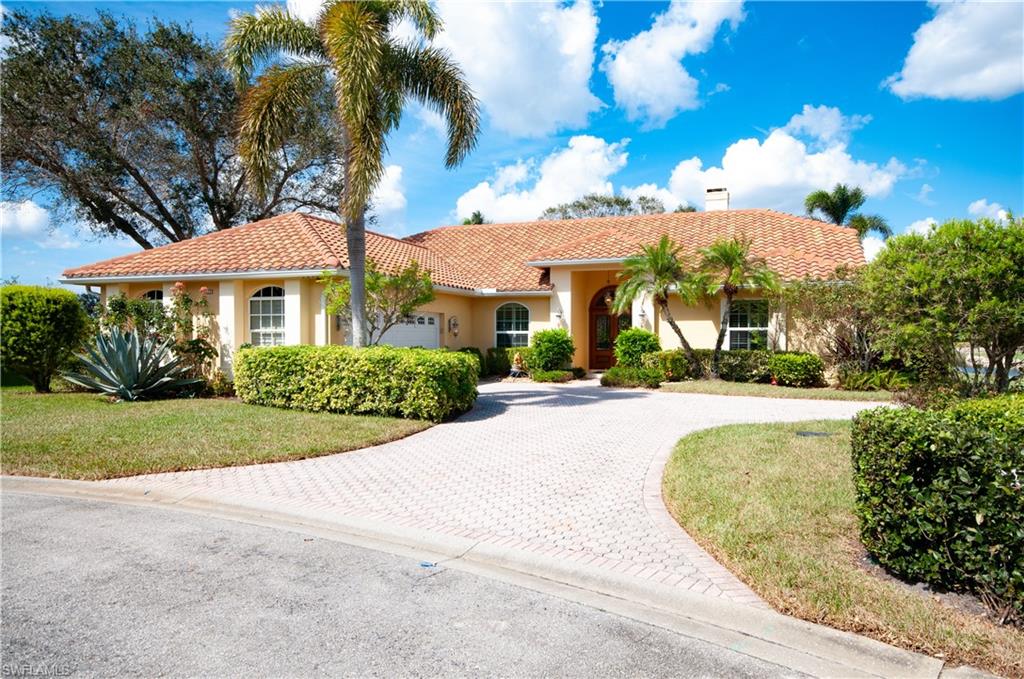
[698,369]
[355,239]
[723,327]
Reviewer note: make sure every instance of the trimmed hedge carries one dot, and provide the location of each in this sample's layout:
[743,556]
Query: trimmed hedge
[551,376]
[797,370]
[940,495]
[633,344]
[499,360]
[420,384]
[479,357]
[41,329]
[618,376]
[552,349]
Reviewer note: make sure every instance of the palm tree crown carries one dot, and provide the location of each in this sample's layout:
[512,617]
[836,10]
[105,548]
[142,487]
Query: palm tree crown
[658,271]
[350,56]
[840,206]
[727,265]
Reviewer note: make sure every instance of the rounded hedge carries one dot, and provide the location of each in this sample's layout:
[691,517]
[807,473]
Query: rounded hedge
[940,495]
[551,349]
[619,376]
[797,370]
[425,384]
[40,329]
[632,345]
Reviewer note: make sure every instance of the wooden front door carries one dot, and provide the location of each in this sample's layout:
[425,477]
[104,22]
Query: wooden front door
[604,328]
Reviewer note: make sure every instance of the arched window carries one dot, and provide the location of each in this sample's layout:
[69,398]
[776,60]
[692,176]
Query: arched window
[512,325]
[266,317]
[156,296]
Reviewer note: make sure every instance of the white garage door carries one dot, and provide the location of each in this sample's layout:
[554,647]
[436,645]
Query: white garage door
[418,330]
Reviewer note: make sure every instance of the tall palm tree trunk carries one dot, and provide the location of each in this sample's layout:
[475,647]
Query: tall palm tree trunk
[355,239]
[723,327]
[698,369]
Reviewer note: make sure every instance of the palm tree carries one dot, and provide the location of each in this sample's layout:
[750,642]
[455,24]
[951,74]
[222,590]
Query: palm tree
[351,57]
[840,207]
[658,271]
[727,265]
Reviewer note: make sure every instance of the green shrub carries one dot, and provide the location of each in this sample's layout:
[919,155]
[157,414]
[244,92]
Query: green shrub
[940,495]
[482,364]
[745,365]
[133,367]
[797,370]
[499,359]
[551,376]
[633,344]
[578,372]
[674,364]
[412,383]
[632,377]
[551,349]
[853,379]
[40,329]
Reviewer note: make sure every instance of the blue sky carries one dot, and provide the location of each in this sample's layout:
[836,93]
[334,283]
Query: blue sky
[919,104]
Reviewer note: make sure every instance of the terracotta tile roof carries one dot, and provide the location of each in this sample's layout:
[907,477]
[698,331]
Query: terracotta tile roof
[289,242]
[496,255]
[493,255]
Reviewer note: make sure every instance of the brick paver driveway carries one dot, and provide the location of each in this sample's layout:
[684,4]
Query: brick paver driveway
[570,471]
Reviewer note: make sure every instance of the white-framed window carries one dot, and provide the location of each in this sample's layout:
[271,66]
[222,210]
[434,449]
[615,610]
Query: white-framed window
[266,317]
[748,324]
[155,296]
[512,325]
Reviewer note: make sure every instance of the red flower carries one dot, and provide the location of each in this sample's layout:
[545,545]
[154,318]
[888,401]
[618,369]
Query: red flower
[179,286]
[204,291]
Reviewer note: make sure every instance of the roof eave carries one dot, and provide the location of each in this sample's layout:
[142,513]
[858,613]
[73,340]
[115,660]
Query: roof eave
[575,262]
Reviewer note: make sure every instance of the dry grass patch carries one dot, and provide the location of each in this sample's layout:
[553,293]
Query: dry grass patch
[723,388]
[86,436]
[777,510]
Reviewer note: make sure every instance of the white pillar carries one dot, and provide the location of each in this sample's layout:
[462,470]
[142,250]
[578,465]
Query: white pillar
[293,311]
[777,328]
[228,330]
[168,290]
[561,300]
[321,324]
[643,313]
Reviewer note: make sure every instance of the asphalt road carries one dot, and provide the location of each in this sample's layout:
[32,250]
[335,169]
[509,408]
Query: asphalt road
[91,588]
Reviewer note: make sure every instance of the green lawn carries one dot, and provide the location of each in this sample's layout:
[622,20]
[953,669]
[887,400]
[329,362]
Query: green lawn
[723,388]
[85,436]
[777,510]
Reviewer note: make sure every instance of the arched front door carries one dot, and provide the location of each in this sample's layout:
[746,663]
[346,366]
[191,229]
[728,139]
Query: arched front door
[604,328]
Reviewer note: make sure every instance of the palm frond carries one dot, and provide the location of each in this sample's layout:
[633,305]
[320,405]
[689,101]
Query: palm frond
[865,224]
[430,76]
[270,110]
[354,38]
[420,13]
[265,35]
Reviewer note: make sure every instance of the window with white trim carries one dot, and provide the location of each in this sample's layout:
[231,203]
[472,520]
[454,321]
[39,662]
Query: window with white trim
[512,325]
[748,324]
[154,296]
[266,317]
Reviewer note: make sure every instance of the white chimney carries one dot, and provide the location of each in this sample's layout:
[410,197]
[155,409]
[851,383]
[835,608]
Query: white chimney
[716,199]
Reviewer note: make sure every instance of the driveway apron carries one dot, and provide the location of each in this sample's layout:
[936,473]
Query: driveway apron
[570,472]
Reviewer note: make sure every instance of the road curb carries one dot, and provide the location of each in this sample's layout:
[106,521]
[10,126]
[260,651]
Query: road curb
[752,630]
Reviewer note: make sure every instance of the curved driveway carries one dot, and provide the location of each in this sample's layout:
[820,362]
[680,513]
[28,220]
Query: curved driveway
[567,472]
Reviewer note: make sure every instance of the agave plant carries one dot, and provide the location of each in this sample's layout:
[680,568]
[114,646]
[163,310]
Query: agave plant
[131,368]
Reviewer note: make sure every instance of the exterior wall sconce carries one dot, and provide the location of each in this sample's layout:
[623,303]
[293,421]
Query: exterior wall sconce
[643,315]
[558,315]
[453,326]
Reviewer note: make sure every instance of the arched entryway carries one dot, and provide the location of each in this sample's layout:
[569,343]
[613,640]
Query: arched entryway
[604,328]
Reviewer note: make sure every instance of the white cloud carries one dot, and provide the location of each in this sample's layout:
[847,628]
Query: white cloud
[668,199]
[389,198]
[970,50]
[59,240]
[983,208]
[529,63]
[646,72]
[523,190]
[781,170]
[923,195]
[872,246]
[825,125]
[23,219]
[922,226]
[306,10]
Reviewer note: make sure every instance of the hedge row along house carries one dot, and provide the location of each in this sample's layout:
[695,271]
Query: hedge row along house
[495,284]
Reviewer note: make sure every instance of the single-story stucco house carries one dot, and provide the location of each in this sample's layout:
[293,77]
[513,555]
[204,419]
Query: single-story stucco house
[495,284]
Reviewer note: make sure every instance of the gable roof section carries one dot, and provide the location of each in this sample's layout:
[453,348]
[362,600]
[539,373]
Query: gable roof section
[502,257]
[508,255]
[289,242]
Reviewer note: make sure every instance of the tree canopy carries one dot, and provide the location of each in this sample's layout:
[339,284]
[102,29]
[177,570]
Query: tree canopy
[600,205]
[840,206]
[132,132]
